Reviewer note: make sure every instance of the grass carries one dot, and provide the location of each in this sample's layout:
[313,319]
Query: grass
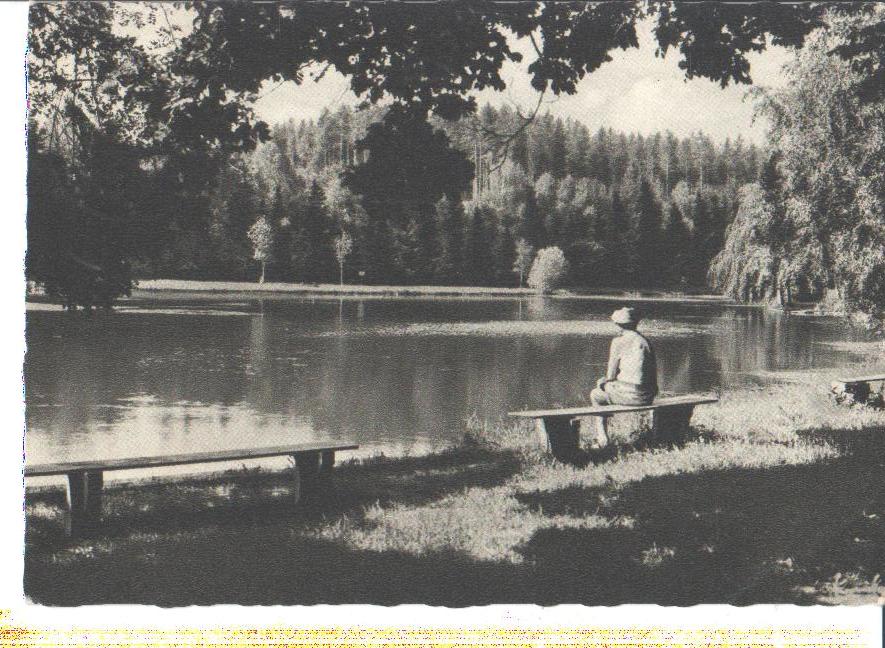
[325,288]
[779,497]
[333,289]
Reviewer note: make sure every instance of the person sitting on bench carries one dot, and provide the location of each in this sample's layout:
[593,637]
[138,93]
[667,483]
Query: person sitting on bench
[632,375]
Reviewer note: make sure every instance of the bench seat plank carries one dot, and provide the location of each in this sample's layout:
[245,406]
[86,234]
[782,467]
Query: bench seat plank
[607,410]
[862,379]
[40,470]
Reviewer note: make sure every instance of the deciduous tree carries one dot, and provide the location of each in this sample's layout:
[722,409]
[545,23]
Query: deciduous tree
[548,269]
[262,235]
[343,248]
[523,261]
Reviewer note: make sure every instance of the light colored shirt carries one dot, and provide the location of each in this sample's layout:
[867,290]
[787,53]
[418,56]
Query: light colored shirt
[632,360]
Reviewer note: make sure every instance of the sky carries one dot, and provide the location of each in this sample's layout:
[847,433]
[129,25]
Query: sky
[635,92]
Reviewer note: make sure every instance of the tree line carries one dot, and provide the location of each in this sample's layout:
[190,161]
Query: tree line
[429,203]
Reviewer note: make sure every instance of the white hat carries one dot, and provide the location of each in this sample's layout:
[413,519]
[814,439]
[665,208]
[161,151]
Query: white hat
[625,315]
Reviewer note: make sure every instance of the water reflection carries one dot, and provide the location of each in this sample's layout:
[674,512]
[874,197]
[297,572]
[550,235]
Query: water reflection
[394,374]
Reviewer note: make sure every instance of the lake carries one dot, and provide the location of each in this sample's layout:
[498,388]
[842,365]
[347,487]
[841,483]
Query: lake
[174,372]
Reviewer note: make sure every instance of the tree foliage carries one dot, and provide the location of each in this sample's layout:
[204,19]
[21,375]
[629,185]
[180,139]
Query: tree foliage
[548,269]
[181,106]
[343,247]
[401,235]
[746,269]
[831,140]
[433,57]
[262,235]
[523,259]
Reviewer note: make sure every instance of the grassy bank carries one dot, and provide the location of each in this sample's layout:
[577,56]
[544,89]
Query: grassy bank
[778,498]
[187,285]
[323,289]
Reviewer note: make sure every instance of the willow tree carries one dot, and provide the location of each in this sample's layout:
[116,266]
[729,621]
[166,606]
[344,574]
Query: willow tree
[828,124]
[746,269]
[756,264]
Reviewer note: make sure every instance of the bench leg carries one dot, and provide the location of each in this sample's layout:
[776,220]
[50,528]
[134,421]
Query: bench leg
[670,424]
[296,481]
[563,438]
[84,502]
[327,462]
[307,472]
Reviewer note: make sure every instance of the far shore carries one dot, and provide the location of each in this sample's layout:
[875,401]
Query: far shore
[188,285]
[154,288]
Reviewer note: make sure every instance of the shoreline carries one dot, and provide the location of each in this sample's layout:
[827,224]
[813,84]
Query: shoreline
[143,288]
[214,286]
[187,285]
[147,287]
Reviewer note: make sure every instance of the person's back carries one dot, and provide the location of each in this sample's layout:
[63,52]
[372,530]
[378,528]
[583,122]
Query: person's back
[637,365]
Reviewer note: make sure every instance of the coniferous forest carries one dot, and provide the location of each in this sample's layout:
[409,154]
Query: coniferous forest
[628,211]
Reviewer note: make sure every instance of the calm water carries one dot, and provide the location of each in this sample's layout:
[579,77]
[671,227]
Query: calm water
[177,372]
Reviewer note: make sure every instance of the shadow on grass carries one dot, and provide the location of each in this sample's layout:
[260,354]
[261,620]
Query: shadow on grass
[727,536]
[735,536]
[230,539]
[243,499]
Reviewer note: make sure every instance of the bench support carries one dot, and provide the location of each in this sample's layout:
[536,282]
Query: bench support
[327,462]
[859,392]
[83,496]
[563,437]
[307,473]
[670,424]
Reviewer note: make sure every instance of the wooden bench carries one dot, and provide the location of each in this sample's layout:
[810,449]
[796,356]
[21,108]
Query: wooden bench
[313,466]
[670,419]
[857,390]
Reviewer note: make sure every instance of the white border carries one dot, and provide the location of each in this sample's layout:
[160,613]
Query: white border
[13,31]
[13,39]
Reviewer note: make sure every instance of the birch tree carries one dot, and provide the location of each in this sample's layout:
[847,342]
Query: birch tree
[343,248]
[523,260]
[262,236]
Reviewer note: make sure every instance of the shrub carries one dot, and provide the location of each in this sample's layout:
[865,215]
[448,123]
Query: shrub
[547,270]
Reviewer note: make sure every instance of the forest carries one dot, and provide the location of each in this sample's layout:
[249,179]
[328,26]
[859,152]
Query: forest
[147,161]
[628,211]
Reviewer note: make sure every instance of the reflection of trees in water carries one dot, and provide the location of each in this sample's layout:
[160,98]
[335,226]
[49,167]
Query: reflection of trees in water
[260,381]
[92,368]
[675,371]
[543,307]
[363,388]
[762,340]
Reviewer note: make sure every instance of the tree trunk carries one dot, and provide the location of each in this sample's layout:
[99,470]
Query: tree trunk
[263,267]
[341,274]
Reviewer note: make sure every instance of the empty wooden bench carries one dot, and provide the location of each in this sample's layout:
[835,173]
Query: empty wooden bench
[858,390]
[313,466]
[670,419]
